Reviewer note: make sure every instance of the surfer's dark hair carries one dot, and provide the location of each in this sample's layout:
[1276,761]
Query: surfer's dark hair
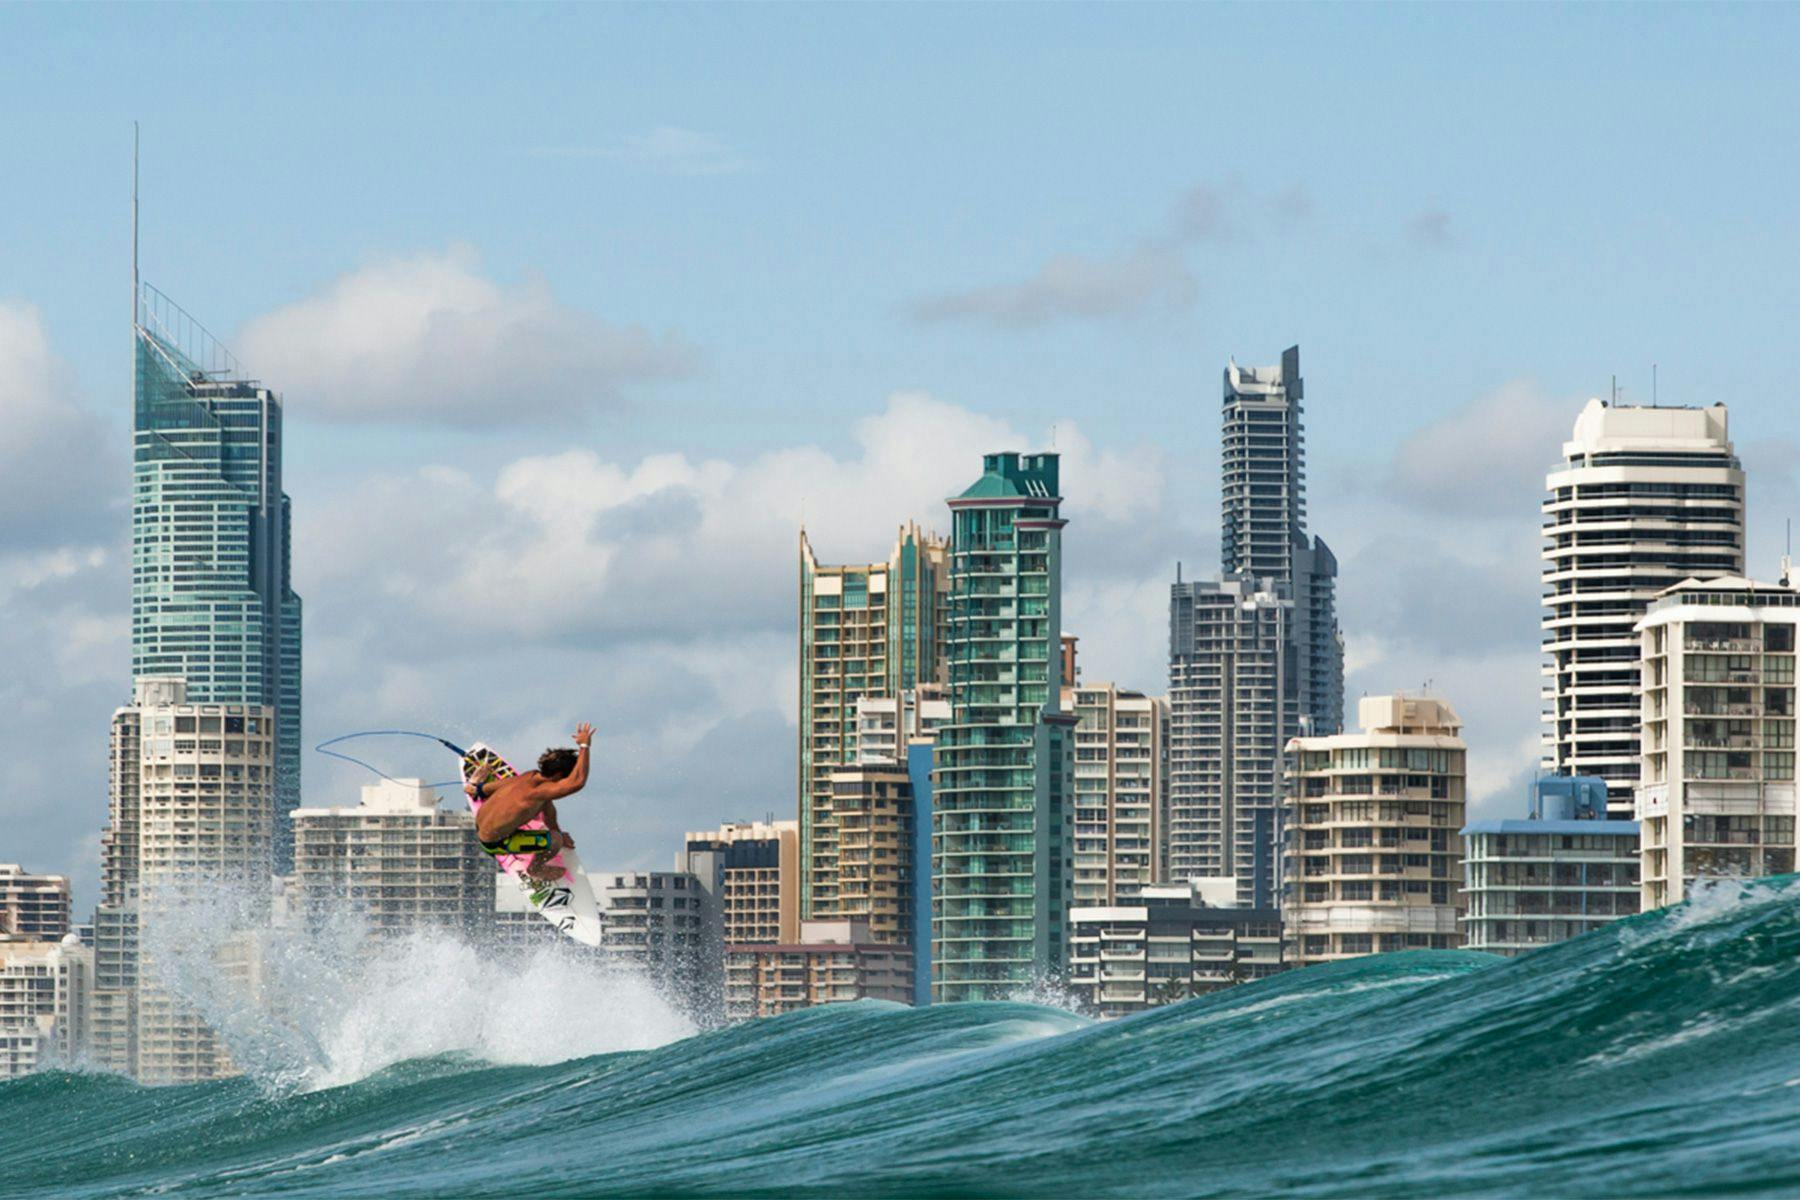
[556,763]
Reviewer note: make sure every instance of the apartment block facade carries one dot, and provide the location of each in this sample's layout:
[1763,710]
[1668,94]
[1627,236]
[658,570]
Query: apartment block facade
[33,907]
[1374,849]
[1169,943]
[1003,803]
[866,630]
[397,859]
[1563,871]
[1121,790]
[834,962]
[1642,499]
[1717,796]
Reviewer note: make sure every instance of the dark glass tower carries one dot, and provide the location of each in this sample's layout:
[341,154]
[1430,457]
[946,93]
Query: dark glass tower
[212,599]
[1255,658]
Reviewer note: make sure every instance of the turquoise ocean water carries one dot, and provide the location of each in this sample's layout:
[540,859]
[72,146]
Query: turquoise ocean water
[1658,1057]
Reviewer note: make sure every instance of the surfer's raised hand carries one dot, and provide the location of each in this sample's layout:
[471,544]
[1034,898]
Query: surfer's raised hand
[584,734]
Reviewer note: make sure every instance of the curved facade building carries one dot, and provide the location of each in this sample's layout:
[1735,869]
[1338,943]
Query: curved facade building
[1643,499]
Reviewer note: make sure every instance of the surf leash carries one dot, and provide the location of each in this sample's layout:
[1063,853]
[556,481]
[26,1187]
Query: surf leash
[324,747]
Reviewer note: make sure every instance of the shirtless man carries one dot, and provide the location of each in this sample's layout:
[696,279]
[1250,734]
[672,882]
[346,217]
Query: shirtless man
[510,803]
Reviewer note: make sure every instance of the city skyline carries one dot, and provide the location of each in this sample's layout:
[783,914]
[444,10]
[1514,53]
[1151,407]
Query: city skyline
[697,727]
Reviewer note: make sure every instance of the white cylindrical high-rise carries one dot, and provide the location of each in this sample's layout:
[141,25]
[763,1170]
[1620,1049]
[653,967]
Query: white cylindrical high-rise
[1643,499]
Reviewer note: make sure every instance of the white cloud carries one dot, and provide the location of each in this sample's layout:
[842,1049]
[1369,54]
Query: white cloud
[430,339]
[1487,458]
[59,471]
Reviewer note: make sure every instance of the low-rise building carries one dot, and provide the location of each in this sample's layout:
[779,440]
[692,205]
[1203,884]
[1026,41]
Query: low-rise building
[1563,871]
[754,869]
[662,924]
[1172,942]
[1374,853]
[1716,795]
[833,962]
[44,993]
[33,908]
[397,858]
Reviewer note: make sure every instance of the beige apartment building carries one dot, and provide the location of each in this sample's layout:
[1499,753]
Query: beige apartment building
[33,908]
[193,805]
[755,877]
[833,962]
[396,858]
[1121,790]
[877,881]
[1716,798]
[866,630]
[1373,845]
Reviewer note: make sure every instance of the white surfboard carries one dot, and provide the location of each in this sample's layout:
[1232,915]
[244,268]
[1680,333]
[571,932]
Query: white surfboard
[567,901]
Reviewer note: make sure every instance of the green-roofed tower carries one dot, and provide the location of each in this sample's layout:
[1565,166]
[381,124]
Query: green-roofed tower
[1003,790]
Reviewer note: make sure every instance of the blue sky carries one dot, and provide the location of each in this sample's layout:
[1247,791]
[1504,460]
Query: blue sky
[734,234]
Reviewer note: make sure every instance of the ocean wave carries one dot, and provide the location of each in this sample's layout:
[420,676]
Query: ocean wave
[1655,1057]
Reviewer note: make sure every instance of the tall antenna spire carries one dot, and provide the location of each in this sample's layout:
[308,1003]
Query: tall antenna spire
[136,291]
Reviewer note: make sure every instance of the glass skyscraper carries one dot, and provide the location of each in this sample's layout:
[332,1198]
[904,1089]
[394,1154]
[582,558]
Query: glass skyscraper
[212,598]
[1003,798]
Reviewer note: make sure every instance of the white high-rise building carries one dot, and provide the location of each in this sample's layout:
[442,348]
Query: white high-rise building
[1644,498]
[397,857]
[1717,797]
[44,991]
[193,805]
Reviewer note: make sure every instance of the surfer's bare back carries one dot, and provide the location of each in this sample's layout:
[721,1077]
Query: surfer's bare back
[506,804]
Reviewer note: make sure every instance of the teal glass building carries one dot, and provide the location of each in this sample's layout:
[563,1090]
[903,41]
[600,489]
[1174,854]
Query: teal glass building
[212,598]
[1003,797]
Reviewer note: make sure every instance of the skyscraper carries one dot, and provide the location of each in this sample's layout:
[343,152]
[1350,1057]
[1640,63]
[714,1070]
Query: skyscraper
[1263,533]
[1643,499]
[212,601]
[1003,802]
[873,629]
[1229,715]
[1254,657]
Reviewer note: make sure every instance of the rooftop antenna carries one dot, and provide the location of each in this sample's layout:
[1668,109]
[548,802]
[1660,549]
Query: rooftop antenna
[1652,385]
[1787,556]
[1615,390]
[135,290]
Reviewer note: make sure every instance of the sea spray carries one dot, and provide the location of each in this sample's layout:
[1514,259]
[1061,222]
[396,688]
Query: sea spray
[1659,1056]
[332,1000]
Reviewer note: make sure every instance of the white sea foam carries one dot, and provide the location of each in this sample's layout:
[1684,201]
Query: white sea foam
[332,1003]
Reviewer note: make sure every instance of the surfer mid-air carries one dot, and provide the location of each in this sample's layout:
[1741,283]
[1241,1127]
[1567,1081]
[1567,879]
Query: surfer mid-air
[504,805]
